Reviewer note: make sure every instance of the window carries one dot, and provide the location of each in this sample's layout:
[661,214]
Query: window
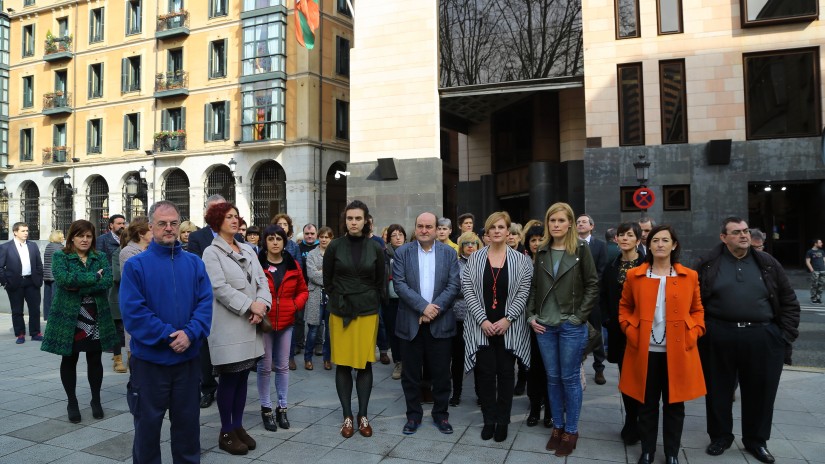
[263,111]
[94,136]
[28,3]
[26,144]
[626,194]
[250,5]
[61,79]
[175,5]
[217,59]
[627,19]
[96,80]
[216,121]
[782,94]
[264,44]
[676,197]
[343,8]
[96,25]
[669,16]
[130,78]
[131,131]
[63,27]
[28,91]
[59,136]
[762,12]
[133,17]
[631,99]
[218,8]
[173,119]
[674,101]
[174,61]
[342,119]
[28,40]
[342,56]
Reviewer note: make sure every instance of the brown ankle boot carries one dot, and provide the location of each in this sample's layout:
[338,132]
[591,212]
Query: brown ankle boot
[555,439]
[118,364]
[230,443]
[567,444]
[245,438]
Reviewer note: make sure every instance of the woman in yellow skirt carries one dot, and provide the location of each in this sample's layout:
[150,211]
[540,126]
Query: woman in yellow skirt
[353,280]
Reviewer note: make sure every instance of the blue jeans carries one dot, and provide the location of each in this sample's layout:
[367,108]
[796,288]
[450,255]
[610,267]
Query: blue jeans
[309,345]
[561,350]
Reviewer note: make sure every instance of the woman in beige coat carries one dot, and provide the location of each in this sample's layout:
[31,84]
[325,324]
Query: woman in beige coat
[242,299]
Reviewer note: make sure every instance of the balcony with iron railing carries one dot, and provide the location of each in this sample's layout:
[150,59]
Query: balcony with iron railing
[166,141]
[172,24]
[172,84]
[57,48]
[57,103]
[56,154]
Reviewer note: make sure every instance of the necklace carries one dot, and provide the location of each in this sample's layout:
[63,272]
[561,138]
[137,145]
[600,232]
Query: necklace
[650,272]
[495,279]
[653,337]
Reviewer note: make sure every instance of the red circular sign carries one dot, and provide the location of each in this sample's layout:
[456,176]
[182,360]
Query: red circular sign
[643,198]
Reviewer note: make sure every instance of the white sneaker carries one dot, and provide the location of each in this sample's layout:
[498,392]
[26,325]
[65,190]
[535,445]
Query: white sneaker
[396,371]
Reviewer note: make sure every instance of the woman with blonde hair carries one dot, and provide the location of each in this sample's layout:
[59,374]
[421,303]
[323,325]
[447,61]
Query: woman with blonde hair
[186,228]
[563,292]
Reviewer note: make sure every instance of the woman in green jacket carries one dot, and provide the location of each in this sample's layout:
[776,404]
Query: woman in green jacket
[79,319]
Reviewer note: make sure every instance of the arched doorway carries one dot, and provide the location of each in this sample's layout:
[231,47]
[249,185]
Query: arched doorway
[336,198]
[62,207]
[268,193]
[97,204]
[30,209]
[176,190]
[220,182]
[134,202]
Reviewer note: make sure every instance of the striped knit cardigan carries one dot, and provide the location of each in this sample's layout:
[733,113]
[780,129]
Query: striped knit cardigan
[519,275]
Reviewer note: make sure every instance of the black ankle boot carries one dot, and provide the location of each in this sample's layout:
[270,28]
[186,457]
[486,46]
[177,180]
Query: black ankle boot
[269,419]
[521,383]
[280,417]
[74,412]
[535,414]
[97,409]
[646,458]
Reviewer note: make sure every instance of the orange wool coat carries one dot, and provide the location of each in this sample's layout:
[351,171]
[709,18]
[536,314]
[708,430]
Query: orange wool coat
[685,323]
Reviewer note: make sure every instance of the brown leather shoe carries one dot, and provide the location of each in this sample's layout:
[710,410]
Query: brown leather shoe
[555,439]
[230,443]
[567,444]
[327,365]
[600,380]
[364,426]
[308,365]
[292,365]
[245,438]
[384,358]
[348,429]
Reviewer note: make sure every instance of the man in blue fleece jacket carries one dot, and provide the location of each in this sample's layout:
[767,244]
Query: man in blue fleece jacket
[166,304]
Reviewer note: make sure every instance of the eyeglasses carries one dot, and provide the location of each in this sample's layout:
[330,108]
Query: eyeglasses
[738,232]
[473,244]
[164,224]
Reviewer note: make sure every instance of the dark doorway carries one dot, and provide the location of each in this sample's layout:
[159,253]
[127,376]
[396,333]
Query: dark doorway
[336,198]
[790,214]
[518,207]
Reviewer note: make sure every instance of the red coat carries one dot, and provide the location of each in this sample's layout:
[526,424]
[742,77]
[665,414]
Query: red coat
[685,323]
[291,296]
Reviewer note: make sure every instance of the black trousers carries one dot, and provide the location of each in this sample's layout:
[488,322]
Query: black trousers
[537,376]
[457,361]
[631,409]
[673,413]
[208,382]
[754,355]
[426,350]
[390,314]
[494,368]
[595,319]
[29,293]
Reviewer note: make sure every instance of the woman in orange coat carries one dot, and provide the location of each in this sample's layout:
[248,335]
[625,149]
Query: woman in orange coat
[662,316]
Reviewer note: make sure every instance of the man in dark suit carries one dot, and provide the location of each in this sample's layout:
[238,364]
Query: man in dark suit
[21,273]
[598,249]
[426,278]
[109,241]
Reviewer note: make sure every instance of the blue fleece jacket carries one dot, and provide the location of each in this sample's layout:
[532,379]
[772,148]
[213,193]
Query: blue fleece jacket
[162,290]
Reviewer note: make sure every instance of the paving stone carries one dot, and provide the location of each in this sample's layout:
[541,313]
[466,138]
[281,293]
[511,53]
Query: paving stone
[118,448]
[82,438]
[421,450]
[40,454]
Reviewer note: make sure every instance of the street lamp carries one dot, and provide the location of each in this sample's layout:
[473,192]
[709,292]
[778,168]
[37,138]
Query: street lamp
[67,180]
[142,173]
[131,187]
[642,170]
[232,166]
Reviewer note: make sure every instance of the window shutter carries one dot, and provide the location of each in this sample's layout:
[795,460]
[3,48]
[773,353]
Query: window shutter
[223,56]
[212,64]
[102,24]
[125,130]
[22,148]
[211,8]
[88,135]
[137,72]
[207,122]
[183,117]
[137,130]
[91,25]
[55,137]
[124,78]
[91,80]
[100,79]
[226,119]
[164,120]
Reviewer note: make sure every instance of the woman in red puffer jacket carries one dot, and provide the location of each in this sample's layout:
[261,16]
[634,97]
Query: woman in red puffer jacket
[289,294]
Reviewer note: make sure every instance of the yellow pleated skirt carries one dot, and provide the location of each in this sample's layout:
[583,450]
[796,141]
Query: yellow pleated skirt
[353,345]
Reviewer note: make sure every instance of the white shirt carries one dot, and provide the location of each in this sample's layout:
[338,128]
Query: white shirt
[426,272]
[657,333]
[25,259]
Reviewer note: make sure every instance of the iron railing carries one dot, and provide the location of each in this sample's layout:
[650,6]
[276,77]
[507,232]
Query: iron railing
[58,99]
[171,80]
[173,20]
[57,154]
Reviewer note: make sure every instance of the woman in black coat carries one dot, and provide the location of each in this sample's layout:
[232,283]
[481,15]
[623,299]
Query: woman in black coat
[628,236]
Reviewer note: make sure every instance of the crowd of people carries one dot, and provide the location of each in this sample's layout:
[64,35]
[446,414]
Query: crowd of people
[198,309]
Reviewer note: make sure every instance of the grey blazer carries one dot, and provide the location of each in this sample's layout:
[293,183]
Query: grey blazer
[411,305]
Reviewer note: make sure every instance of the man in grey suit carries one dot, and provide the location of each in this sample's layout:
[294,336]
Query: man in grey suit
[598,249]
[425,276]
[21,274]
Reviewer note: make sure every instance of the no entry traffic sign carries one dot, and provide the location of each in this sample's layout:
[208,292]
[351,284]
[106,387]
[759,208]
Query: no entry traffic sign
[643,198]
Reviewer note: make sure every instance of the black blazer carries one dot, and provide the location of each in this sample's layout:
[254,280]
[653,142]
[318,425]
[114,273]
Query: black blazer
[11,270]
[599,251]
[107,244]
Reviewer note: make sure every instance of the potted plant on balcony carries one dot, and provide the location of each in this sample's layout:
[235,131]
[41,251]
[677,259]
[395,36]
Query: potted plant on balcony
[59,154]
[170,140]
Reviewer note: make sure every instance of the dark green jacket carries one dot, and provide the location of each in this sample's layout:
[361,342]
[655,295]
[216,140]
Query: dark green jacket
[354,289]
[575,288]
[73,281]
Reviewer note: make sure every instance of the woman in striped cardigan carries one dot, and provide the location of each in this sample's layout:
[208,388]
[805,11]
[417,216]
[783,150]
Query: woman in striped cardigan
[496,283]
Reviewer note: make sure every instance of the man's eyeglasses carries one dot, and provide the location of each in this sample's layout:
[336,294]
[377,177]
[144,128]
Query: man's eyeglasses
[738,232]
[164,224]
